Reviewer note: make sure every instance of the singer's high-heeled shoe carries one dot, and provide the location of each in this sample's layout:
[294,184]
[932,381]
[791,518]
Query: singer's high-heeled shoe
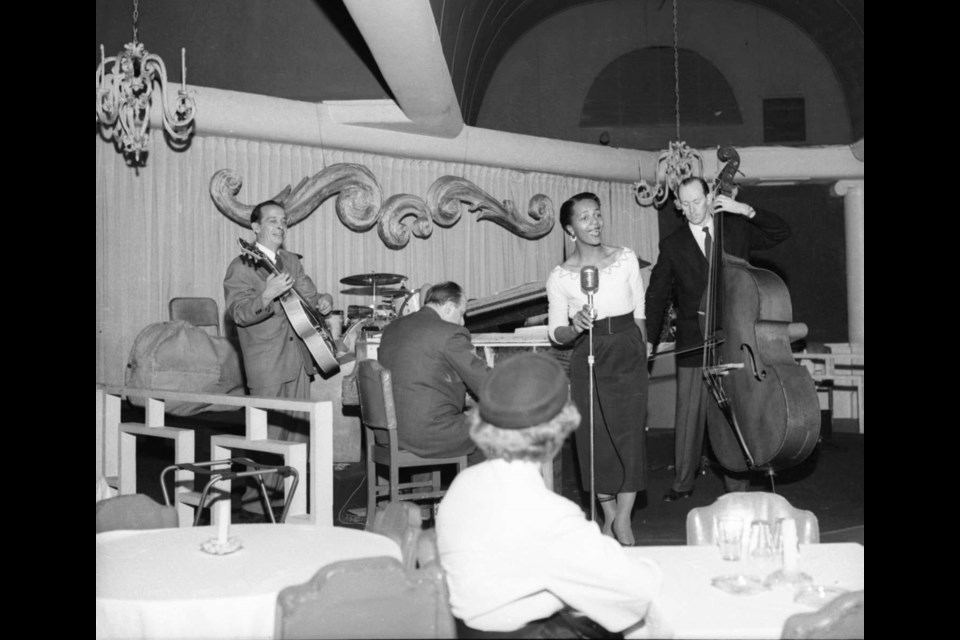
[622,543]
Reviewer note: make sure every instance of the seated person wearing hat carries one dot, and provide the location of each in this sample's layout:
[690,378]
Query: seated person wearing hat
[520,560]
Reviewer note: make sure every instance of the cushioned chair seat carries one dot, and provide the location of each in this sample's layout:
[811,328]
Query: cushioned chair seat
[135,511]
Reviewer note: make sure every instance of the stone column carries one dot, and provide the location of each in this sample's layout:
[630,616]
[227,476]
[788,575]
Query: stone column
[852,192]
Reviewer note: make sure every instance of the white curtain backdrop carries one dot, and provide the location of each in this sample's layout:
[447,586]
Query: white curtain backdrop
[159,235]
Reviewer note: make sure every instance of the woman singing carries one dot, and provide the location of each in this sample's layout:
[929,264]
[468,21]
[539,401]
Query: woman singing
[620,360]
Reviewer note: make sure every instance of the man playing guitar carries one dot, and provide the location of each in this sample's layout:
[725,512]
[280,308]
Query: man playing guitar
[276,360]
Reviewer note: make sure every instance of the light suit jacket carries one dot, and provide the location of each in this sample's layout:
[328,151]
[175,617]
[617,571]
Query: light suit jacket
[273,353]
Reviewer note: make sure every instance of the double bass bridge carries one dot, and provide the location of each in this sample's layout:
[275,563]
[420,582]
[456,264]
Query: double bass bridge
[722,369]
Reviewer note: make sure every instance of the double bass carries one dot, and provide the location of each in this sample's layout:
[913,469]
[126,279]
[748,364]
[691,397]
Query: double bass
[767,415]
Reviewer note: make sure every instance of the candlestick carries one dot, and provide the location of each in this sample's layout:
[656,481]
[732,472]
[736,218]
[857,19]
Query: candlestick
[791,549]
[223,529]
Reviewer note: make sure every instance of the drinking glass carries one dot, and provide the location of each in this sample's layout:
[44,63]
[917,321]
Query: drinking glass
[730,537]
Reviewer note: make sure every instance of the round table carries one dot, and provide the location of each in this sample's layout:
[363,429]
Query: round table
[160,584]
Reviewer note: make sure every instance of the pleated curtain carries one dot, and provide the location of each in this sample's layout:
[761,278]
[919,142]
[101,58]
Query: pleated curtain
[160,236]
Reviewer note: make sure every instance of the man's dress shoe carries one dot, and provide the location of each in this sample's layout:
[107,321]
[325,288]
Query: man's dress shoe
[671,496]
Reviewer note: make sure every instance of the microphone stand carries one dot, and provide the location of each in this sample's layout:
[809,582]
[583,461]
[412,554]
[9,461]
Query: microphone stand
[590,359]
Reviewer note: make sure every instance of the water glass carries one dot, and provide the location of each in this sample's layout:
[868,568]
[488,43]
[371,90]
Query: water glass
[761,540]
[730,537]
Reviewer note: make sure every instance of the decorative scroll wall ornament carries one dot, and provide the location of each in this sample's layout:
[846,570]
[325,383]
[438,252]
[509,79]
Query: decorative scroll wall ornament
[445,196]
[358,196]
[359,204]
[392,229]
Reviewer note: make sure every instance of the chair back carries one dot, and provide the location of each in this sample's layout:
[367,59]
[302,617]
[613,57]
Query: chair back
[402,523]
[134,511]
[366,598]
[842,617]
[200,312]
[375,387]
[749,505]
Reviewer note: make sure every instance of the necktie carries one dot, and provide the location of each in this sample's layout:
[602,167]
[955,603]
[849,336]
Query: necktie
[279,263]
[707,243]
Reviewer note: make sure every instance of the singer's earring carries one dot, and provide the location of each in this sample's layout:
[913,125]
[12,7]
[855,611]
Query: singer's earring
[572,238]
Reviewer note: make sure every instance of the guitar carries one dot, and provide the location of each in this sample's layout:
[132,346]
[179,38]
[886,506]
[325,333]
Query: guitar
[306,320]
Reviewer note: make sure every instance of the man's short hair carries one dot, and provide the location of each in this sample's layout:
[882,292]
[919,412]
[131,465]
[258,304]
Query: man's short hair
[691,180]
[444,292]
[258,210]
[537,443]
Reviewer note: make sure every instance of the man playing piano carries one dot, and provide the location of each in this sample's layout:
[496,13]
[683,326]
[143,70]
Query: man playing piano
[432,363]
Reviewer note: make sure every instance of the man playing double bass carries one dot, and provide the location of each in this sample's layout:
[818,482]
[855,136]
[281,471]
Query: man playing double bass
[276,361]
[684,263]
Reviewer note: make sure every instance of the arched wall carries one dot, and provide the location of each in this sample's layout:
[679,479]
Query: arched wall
[540,86]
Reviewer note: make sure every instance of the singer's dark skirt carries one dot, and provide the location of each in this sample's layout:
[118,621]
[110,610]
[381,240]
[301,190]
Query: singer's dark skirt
[620,405]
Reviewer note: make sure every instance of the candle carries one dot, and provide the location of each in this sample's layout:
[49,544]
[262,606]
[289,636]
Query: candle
[791,548]
[183,66]
[223,528]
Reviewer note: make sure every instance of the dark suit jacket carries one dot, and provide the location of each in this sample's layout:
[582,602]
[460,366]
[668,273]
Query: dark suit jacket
[682,264]
[432,364]
[272,351]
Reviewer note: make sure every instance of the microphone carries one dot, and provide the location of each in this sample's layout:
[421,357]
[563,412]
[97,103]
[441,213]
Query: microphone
[589,283]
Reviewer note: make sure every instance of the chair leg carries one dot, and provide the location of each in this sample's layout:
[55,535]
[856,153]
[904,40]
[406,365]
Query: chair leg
[394,482]
[371,486]
[860,405]
[266,498]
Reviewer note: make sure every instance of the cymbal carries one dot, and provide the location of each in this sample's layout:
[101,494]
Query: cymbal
[378,279]
[368,291]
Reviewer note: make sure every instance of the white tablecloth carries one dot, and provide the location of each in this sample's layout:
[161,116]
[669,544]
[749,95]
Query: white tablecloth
[691,607]
[159,584]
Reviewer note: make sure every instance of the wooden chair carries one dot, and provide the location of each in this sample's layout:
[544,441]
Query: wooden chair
[379,418]
[842,617]
[134,511]
[367,598]
[200,312]
[750,505]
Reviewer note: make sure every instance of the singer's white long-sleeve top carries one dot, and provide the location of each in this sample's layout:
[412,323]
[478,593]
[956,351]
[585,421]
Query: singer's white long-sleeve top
[620,291]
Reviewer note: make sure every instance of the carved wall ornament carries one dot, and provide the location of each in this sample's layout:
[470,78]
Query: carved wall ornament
[360,204]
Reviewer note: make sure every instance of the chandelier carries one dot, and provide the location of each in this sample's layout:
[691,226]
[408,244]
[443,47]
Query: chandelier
[125,94]
[678,161]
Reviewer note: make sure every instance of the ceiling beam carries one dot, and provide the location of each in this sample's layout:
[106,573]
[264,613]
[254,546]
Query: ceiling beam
[402,36]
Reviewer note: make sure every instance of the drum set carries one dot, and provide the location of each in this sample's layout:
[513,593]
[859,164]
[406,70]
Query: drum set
[387,303]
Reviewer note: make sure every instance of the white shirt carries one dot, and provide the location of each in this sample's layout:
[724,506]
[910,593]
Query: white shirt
[700,237]
[619,291]
[514,552]
[267,252]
